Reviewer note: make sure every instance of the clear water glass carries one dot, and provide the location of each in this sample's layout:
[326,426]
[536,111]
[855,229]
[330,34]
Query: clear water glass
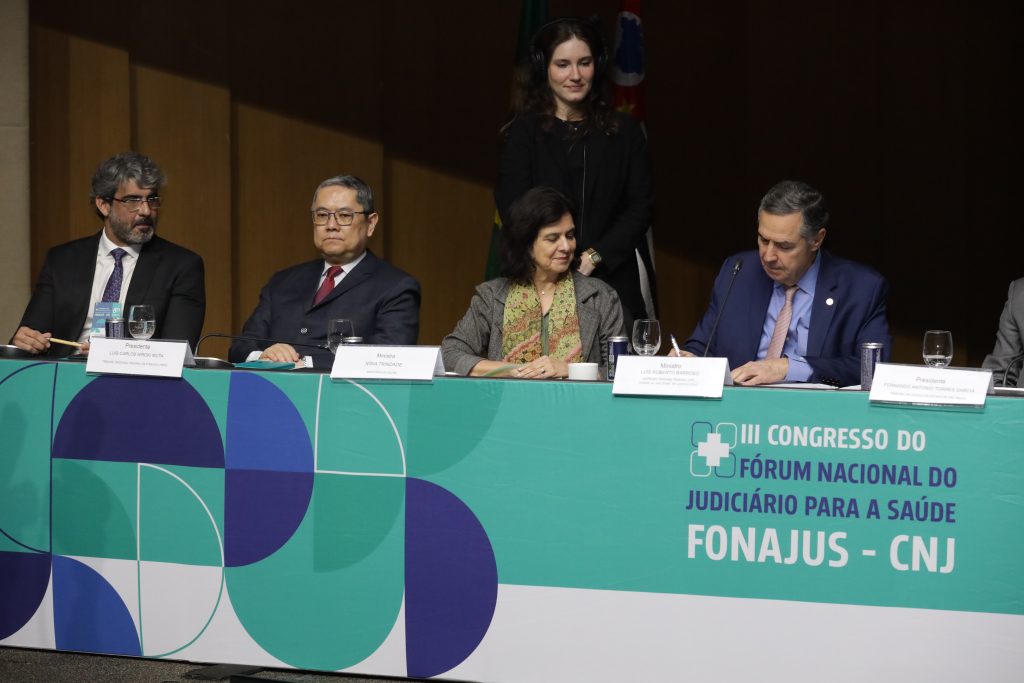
[937,348]
[141,321]
[646,337]
[337,331]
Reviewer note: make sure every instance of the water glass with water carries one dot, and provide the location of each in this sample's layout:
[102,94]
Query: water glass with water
[141,321]
[937,348]
[337,331]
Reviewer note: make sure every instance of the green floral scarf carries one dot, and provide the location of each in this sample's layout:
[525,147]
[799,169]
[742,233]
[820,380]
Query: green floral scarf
[521,333]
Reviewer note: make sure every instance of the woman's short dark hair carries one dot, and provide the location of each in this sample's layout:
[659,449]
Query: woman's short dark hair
[538,208]
[532,93]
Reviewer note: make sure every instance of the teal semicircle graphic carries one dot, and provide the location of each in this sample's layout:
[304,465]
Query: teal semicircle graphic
[347,599]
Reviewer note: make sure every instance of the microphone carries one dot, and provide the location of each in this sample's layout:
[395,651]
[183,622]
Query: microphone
[721,309]
[1013,361]
[238,337]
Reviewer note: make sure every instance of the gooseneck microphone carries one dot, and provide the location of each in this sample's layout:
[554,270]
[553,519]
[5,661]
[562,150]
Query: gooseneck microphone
[238,337]
[721,309]
[1013,361]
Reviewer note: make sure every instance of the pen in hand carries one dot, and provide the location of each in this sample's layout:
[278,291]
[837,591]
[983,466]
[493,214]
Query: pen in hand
[675,344]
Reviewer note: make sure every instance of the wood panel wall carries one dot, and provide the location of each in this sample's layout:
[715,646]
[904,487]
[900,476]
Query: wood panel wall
[425,209]
[15,233]
[185,125]
[904,116]
[80,108]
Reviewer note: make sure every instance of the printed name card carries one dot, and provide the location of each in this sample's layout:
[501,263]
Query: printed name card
[144,357]
[925,386]
[361,361]
[671,376]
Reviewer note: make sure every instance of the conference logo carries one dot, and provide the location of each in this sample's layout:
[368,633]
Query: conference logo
[712,453]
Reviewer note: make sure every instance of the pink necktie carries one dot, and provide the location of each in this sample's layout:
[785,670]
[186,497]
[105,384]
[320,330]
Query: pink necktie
[327,285]
[781,326]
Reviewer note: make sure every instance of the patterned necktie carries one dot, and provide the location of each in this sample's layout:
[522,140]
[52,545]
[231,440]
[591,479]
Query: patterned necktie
[112,292]
[781,326]
[327,285]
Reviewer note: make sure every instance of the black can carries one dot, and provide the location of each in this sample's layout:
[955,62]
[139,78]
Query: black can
[116,328]
[617,346]
[870,355]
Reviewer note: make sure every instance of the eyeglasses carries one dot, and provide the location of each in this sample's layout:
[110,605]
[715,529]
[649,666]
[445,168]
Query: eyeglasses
[133,203]
[322,216]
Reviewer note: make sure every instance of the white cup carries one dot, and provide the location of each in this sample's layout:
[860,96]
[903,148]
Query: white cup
[583,371]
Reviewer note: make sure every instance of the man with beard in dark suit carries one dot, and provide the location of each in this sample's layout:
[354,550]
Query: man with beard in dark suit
[125,262]
[349,282]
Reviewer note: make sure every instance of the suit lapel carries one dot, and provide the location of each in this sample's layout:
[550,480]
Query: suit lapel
[362,272]
[821,310]
[758,312]
[81,282]
[142,276]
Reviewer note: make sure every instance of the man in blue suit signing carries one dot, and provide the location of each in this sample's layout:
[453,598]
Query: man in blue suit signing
[349,281]
[796,313]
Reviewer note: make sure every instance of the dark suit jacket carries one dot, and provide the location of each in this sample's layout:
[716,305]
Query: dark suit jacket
[1005,356]
[166,276]
[382,301]
[856,314]
[614,211]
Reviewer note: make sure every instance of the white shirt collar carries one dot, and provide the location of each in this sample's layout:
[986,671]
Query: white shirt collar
[106,246]
[347,267]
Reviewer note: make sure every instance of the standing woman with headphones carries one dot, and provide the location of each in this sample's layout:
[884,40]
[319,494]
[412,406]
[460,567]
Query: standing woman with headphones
[565,135]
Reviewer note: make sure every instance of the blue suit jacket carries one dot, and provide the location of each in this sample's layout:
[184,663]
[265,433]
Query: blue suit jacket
[382,301]
[848,309]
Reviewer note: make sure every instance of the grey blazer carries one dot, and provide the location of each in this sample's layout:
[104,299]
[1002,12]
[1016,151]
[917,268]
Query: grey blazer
[478,335]
[1009,339]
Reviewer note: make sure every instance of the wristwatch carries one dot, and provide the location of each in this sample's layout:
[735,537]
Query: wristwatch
[595,258]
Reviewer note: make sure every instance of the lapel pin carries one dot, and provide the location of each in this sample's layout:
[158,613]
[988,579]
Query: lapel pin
[829,301]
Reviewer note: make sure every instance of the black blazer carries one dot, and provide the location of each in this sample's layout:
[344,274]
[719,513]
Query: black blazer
[614,210]
[168,277]
[382,301]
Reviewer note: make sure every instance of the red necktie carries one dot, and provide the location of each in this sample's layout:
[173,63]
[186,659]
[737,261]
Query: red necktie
[327,285]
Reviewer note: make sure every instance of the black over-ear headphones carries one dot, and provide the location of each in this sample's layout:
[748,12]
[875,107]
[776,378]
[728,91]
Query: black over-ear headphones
[589,28]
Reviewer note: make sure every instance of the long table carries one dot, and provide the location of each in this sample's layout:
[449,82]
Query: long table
[501,530]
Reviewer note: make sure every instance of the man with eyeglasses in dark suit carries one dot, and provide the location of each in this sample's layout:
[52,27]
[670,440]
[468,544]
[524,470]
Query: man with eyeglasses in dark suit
[348,282]
[126,262]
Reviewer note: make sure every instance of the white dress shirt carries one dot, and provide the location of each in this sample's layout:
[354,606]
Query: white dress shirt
[104,267]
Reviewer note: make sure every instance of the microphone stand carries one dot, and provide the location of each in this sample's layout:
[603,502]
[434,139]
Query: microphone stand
[721,309]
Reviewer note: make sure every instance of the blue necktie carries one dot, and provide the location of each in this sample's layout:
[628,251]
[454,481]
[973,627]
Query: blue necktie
[113,289]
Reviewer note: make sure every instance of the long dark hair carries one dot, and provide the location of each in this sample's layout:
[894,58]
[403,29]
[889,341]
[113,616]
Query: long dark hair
[532,93]
[538,208]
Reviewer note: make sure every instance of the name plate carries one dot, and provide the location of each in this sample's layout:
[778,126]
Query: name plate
[361,361]
[925,386]
[671,376]
[144,357]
